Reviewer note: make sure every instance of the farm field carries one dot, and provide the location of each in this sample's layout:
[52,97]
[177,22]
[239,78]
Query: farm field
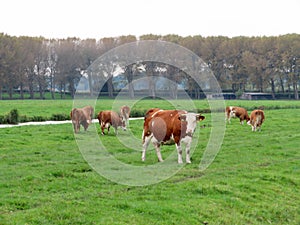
[46,108]
[254,178]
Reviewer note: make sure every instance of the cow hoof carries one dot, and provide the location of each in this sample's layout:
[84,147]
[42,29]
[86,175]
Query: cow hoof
[189,162]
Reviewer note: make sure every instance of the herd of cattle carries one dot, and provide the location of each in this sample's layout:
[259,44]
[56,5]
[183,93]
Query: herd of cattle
[162,126]
[256,118]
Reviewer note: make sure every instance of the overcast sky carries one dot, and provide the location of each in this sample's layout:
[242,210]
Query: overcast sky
[111,18]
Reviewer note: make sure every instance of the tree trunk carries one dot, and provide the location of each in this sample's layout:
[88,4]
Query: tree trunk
[10,92]
[131,90]
[21,91]
[110,87]
[91,84]
[281,85]
[52,86]
[151,87]
[30,85]
[173,89]
[41,90]
[296,93]
[129,75]
[273,88]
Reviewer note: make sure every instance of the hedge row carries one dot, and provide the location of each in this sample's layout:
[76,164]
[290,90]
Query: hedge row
[13,117]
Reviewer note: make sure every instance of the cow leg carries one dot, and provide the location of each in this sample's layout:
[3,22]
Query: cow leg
[187,152]
[146,142]
[74,126]
[102,128]
[259,128]
[157,148]
[179,151]
[116,130]
[77,127]
[227,118]
[85,125]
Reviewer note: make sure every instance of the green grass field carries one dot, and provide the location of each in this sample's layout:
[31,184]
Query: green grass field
[255,178]
[46,108]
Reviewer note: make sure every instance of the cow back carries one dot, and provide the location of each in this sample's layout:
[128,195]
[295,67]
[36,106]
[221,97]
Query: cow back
[77,114]
[258,116]
[166,123]
[109,117]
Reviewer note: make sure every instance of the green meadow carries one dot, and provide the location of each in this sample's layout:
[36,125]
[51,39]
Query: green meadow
[254,179]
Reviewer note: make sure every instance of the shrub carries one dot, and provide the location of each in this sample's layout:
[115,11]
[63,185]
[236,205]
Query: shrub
[2,119]
[24,119]
[13,117]
[38,118]
[138,112]
[60,117]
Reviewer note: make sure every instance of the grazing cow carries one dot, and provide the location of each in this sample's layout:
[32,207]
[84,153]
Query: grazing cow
[169,126]
[236,112]
[89,110]
[257,117]
[82,116]
[110,118]
[125,113]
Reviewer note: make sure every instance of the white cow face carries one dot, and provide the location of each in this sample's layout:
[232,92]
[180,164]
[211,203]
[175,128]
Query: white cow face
[191,119]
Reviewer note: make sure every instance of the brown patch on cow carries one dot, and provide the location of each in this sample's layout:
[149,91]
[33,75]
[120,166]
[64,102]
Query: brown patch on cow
[109,118]
[257,117]
[236,112]
[166,126]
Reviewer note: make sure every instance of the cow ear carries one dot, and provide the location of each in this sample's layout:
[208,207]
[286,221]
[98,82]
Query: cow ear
[182,117]
[200,118]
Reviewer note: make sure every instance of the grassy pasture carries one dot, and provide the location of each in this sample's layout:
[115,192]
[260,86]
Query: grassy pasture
[253,180]
[46,108]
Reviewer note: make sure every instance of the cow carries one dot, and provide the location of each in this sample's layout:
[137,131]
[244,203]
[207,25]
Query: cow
[125,113]
[169,127]
[236,112]
[257,117]
[109,118]
[89,110]
[82,116]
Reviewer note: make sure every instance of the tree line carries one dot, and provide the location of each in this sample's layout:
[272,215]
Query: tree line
[36,65]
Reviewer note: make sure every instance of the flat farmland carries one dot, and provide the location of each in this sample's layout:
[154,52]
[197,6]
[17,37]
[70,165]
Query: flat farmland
[254,179]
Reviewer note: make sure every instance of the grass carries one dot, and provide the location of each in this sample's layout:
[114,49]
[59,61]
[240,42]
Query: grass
[47,108]
[254,179]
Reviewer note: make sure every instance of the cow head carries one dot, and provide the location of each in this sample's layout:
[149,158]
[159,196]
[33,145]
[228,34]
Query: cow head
[191,120]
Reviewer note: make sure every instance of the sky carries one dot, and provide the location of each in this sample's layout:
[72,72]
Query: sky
[112,18]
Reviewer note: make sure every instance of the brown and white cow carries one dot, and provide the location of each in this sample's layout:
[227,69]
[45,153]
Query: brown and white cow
[82,116]
[236,112]
[109,118]
[257,117]
[125,113]
[169,126]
